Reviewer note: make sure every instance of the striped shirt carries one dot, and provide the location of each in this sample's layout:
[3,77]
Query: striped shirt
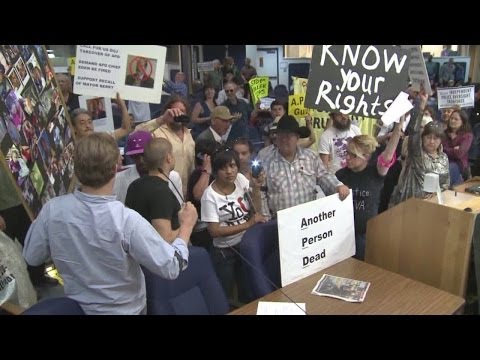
[293,183]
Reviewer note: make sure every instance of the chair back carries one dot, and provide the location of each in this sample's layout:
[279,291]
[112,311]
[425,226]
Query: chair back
[55,306]
[259,247]
[196,291]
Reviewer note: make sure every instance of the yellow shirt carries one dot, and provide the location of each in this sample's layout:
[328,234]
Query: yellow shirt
[183,151]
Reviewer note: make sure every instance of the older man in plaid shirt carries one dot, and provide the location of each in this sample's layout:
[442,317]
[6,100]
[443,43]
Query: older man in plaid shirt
[293,172]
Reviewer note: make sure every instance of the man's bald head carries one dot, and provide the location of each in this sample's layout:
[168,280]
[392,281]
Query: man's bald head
[155,153]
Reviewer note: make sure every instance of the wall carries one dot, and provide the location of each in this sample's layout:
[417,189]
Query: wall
[251,51]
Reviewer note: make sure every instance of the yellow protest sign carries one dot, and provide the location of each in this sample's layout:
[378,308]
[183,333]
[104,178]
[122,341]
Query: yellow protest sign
[299,85]
[71,65]
[258,88]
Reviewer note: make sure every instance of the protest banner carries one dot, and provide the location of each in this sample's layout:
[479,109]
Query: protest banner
[101,110]
[356,79]
[463,96]
[135,71]
[36,144]
[258,88]
[205,66]
[314,236]
[417,70]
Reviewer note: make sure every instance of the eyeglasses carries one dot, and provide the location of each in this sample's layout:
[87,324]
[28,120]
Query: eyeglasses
[354,156]
[229,91]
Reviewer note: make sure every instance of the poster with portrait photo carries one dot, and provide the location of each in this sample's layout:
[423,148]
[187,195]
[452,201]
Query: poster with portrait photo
[38,77]
[101,110]
[34,126]
[135,71]
[15,82]
[3,128]
[22,71]
[4,60]
[37,178]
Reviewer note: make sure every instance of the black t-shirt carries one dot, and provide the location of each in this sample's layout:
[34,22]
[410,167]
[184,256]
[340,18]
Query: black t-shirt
[151,197]
[366,186]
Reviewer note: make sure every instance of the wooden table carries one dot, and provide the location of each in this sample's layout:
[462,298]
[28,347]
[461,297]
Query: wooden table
[389,293]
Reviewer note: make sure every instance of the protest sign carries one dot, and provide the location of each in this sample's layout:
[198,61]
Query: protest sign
[36,144]
[463,96]
[135,71]
[314,236]
[356,79]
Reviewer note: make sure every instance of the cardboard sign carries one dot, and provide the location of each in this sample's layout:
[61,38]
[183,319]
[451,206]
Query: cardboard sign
[417,70]
[356,79]
[205,66]
[135,71]
[101,110]
[463,96]
[314,236]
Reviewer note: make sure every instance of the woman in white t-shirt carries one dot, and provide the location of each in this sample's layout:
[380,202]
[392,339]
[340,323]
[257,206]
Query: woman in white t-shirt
[228,211]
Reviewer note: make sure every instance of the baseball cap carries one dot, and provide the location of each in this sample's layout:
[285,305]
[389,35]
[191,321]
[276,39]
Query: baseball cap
[136,142]
[221,112]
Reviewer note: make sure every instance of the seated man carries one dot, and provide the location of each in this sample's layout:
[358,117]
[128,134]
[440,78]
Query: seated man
[97,244]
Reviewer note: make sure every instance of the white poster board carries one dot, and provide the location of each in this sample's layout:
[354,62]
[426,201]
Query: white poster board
[205,66]
[463,96]
[314,236]
[101,110]
[417,70]
[135,71]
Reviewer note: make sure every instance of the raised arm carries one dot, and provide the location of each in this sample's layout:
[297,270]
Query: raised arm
[126,127]
[387,157]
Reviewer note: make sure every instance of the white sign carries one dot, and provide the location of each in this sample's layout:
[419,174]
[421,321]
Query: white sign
[266,102]
[314,236]
[399,107]
[463,96]
[280,308]
[135,71]
[417,70]
[101,110]
[205,66]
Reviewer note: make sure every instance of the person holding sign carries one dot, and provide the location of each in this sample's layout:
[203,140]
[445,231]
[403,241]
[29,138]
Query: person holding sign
[293,172]
[425,155]
[82,121]
[366,180]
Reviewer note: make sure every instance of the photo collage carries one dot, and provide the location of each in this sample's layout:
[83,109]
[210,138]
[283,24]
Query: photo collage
[35,137]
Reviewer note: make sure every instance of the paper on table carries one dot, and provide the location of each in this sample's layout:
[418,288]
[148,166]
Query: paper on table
[399,107]
[280,308]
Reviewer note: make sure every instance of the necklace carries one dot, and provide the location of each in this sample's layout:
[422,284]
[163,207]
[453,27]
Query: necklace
[223,192]
[173,185]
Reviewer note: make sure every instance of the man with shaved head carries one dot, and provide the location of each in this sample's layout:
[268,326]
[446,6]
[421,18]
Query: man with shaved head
[151,196]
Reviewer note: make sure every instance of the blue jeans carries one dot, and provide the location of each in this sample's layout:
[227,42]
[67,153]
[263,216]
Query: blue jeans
[227,264]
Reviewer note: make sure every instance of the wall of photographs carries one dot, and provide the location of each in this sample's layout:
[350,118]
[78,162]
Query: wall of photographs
[36,143]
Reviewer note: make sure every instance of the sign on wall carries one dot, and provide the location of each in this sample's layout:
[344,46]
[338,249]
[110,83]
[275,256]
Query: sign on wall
[314,236]
[36,145]
[356,79]
[135,71]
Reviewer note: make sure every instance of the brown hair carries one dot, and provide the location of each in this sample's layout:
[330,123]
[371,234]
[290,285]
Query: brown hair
[433,128]
[96,158]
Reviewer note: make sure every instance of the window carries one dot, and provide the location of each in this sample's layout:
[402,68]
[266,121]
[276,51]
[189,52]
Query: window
[298,51]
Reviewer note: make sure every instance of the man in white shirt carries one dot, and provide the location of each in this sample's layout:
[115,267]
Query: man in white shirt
[332,145]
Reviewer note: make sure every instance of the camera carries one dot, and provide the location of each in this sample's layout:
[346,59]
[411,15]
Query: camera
[183,119]
[256,168]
